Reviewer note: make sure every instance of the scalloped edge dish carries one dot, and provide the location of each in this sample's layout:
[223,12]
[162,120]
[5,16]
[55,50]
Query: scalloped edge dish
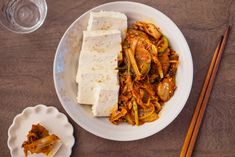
[53,120]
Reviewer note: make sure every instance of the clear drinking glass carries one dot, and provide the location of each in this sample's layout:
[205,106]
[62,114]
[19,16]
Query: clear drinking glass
[22,16]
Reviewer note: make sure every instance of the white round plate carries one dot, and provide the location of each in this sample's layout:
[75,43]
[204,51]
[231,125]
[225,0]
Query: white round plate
[65,68]
[54,121]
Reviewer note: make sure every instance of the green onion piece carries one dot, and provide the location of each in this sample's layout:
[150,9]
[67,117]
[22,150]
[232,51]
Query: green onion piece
[135,107]
[131,57]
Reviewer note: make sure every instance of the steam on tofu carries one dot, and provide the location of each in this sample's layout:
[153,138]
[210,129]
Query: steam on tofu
[97,77]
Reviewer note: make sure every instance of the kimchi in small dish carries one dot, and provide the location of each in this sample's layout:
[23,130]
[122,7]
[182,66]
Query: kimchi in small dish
[39,141]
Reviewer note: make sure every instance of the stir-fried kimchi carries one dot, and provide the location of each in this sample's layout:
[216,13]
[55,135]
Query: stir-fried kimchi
[147,71]
[39,141]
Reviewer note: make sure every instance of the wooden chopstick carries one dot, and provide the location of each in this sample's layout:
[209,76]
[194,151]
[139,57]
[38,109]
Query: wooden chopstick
[198,106]
[192,133]
[207,94]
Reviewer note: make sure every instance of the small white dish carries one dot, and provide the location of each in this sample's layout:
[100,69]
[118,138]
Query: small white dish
[54,121]
[66,62]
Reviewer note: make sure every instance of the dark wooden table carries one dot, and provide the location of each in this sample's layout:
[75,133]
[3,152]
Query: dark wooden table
[26,79]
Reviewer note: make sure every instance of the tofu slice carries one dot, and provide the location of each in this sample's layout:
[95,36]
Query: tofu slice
[99,49]
[106,99]
[108,20]
[93,62]
[101,41]
[87,81]
[97,78]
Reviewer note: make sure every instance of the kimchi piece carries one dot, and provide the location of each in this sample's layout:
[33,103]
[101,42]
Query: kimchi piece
[39,141]
[147,73]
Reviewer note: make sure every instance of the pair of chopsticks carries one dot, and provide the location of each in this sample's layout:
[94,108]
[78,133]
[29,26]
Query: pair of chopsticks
[199,111]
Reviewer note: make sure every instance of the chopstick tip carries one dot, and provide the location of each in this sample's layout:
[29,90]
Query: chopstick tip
[226,33]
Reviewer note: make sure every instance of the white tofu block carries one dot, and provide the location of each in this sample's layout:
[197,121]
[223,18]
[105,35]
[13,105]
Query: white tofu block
[106,99]
[108,20]
[101,41]
[94,62]
[87,81]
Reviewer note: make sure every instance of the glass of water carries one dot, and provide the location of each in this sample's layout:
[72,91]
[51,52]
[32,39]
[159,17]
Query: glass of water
[22,16]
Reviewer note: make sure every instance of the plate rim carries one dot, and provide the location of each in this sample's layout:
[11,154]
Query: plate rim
[140,136]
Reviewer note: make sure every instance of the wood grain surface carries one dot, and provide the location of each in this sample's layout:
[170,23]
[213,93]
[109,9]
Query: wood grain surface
[26,79]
